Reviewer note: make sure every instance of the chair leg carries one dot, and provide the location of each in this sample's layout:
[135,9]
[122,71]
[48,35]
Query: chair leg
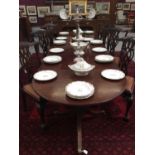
[129,101]
[24,100]
[41,109]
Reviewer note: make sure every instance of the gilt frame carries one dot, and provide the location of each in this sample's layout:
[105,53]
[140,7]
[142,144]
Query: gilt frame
[82,5]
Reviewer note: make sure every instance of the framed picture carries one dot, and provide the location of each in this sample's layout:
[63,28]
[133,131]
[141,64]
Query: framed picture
[42,10]
[57,8]
[119,6]
[132,7]
[89,6]
[66,6]
[22,8]
[103,7]
[31,10]
[126,6]
[33,19]
[77,6]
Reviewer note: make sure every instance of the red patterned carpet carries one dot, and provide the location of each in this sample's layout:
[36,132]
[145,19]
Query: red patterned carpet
[103,134]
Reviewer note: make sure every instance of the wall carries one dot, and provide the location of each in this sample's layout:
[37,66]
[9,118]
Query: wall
[45,3]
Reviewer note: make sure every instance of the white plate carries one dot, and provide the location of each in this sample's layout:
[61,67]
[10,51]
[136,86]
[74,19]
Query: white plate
[112,74]
[96,41]
[64,33]
[52,59]
[88,32]
[99,49]
[79,90]
[61,38]
[87,39]
[91,13]
[63,14]
[45,75]
[56,50]
[59,42]
[104,58]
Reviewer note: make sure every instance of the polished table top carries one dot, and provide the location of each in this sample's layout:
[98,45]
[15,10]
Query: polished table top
[54,90]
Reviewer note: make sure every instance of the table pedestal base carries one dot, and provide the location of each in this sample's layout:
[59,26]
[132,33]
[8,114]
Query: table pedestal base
[79,133]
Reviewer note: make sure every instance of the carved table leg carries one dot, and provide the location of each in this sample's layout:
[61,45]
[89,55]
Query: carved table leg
[41,107]
[79,134]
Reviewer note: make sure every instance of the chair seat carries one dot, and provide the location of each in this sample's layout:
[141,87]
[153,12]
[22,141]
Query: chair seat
[29,90]
[130,84]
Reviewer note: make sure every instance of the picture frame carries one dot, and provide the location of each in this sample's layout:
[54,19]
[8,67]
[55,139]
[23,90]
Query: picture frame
[126,6]
[132,7]
[31,10]
[22,8]
[103,7]
[43,10]
[66,6]
[57,8]
[119,6]
[79,6]
[89,6]
[33,19]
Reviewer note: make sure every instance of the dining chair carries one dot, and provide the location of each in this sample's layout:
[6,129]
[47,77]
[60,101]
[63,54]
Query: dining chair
[45,39]
[28,67]
[123,59]
[110,37]
[127,53]
[29,62]
[126,56]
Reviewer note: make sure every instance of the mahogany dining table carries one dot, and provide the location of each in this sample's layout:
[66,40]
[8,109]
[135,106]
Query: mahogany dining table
[53,91]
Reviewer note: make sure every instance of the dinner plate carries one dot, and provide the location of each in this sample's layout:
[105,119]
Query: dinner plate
[99,49]
[96,41]
[52,59]
[59,42]
[64,33]
[88,32]
[91,13]
[61,38]
[112,74]
[63,14]
[104,58]
[56,50]
[87,39]
[79,90]
[45,75]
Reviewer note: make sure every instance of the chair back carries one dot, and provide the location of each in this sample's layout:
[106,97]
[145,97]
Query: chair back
[44,40]
[25,58]
[127,53]
[110,39]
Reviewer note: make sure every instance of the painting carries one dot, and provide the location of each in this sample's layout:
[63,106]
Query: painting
[57,8]
[77,7]
[119,6]
[126,6]
[132,7]
[42,10]
[103,7]
[22,8]
[31,10]
[33,19]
